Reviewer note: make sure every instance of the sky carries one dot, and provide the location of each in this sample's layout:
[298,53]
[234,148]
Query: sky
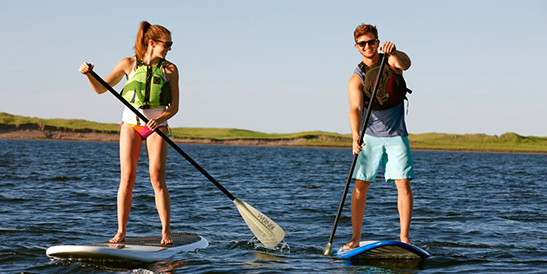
[283,66]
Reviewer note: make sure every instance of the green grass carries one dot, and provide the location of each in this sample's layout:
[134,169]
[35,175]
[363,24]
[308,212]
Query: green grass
[508,142]
[308,138]
[233,133]
[9,119]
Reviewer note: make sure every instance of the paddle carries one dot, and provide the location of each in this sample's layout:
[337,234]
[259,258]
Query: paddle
[266,230]
[328,247]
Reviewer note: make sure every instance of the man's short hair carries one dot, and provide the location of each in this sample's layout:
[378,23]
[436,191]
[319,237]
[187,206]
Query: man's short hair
[364,29]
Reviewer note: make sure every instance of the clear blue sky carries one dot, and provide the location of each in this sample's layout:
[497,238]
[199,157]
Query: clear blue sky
[282,66]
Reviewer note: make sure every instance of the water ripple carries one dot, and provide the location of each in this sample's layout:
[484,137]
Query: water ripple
[476,212]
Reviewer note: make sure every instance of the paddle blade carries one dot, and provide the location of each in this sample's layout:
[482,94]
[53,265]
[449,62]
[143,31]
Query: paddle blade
[265,230]
[328,249]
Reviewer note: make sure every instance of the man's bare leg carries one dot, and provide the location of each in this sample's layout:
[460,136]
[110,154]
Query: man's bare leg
[405,204]
[358,204]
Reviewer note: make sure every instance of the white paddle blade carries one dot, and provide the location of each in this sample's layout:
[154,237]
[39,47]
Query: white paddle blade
[266,230]
[327,250]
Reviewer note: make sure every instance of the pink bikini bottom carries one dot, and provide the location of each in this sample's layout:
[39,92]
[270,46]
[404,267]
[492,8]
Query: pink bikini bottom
[143,131]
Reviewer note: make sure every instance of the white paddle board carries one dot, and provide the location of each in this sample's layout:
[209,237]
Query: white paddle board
[137,249]
[383,250]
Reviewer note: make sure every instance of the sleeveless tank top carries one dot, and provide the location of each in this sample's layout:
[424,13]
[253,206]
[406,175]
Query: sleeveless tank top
[385,123]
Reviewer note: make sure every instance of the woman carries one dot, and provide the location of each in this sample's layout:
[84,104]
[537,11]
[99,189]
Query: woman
[152,87]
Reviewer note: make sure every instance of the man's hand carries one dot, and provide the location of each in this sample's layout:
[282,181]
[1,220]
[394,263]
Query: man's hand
[357,147]
[388,48]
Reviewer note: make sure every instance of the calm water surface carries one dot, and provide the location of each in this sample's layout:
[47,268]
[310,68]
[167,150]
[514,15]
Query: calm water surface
[475,212]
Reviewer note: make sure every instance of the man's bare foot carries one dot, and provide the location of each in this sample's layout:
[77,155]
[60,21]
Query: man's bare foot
[406,241]
[166,239]
[120,237]
[351,245]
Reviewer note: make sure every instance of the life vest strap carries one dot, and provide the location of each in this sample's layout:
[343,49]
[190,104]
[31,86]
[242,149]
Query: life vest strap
[148,82]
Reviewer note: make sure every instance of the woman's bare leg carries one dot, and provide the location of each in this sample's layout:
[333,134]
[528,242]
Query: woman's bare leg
[157,156]
[130,147]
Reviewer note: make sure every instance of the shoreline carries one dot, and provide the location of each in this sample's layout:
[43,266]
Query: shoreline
[87,135]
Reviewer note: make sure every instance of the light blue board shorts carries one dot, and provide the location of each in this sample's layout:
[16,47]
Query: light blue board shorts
[391,152]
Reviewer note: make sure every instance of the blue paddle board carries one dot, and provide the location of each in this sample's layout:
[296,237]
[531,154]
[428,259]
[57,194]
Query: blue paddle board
[369,251]
[137,249]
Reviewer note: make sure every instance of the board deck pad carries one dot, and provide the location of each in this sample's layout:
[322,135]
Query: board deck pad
[133,249]
[383,252]
[178,240]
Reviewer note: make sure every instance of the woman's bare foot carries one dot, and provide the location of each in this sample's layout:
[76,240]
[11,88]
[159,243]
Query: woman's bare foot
[166,239]
[120,237]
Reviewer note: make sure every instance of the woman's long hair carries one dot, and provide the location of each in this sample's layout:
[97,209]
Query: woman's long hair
[146,33]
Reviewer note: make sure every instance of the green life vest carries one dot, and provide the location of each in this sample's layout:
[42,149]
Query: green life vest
[147,87]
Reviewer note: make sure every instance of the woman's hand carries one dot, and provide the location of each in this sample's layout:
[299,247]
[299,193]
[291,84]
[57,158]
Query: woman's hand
[152,124]
[85,68]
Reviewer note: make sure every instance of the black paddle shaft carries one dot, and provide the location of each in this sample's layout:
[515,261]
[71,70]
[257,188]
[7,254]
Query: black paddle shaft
[165,137]
[361,136]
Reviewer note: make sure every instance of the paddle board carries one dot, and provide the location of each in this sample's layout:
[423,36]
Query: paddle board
[137,249]
[383,250]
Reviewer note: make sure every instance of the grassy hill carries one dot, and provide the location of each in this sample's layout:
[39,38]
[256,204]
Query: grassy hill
[8,119]
[508,142]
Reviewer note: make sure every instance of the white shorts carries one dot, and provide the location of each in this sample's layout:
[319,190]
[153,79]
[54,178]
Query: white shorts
[130,117]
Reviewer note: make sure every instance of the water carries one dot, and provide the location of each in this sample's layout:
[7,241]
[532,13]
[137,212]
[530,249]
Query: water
[475,212]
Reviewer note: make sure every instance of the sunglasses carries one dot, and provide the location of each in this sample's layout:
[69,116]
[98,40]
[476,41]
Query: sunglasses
[165,44]
[369,42]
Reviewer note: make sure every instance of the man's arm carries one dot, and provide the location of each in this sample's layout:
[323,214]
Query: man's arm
[355,93]
[396,58]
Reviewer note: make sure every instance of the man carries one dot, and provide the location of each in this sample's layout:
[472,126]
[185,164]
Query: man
[386,137]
